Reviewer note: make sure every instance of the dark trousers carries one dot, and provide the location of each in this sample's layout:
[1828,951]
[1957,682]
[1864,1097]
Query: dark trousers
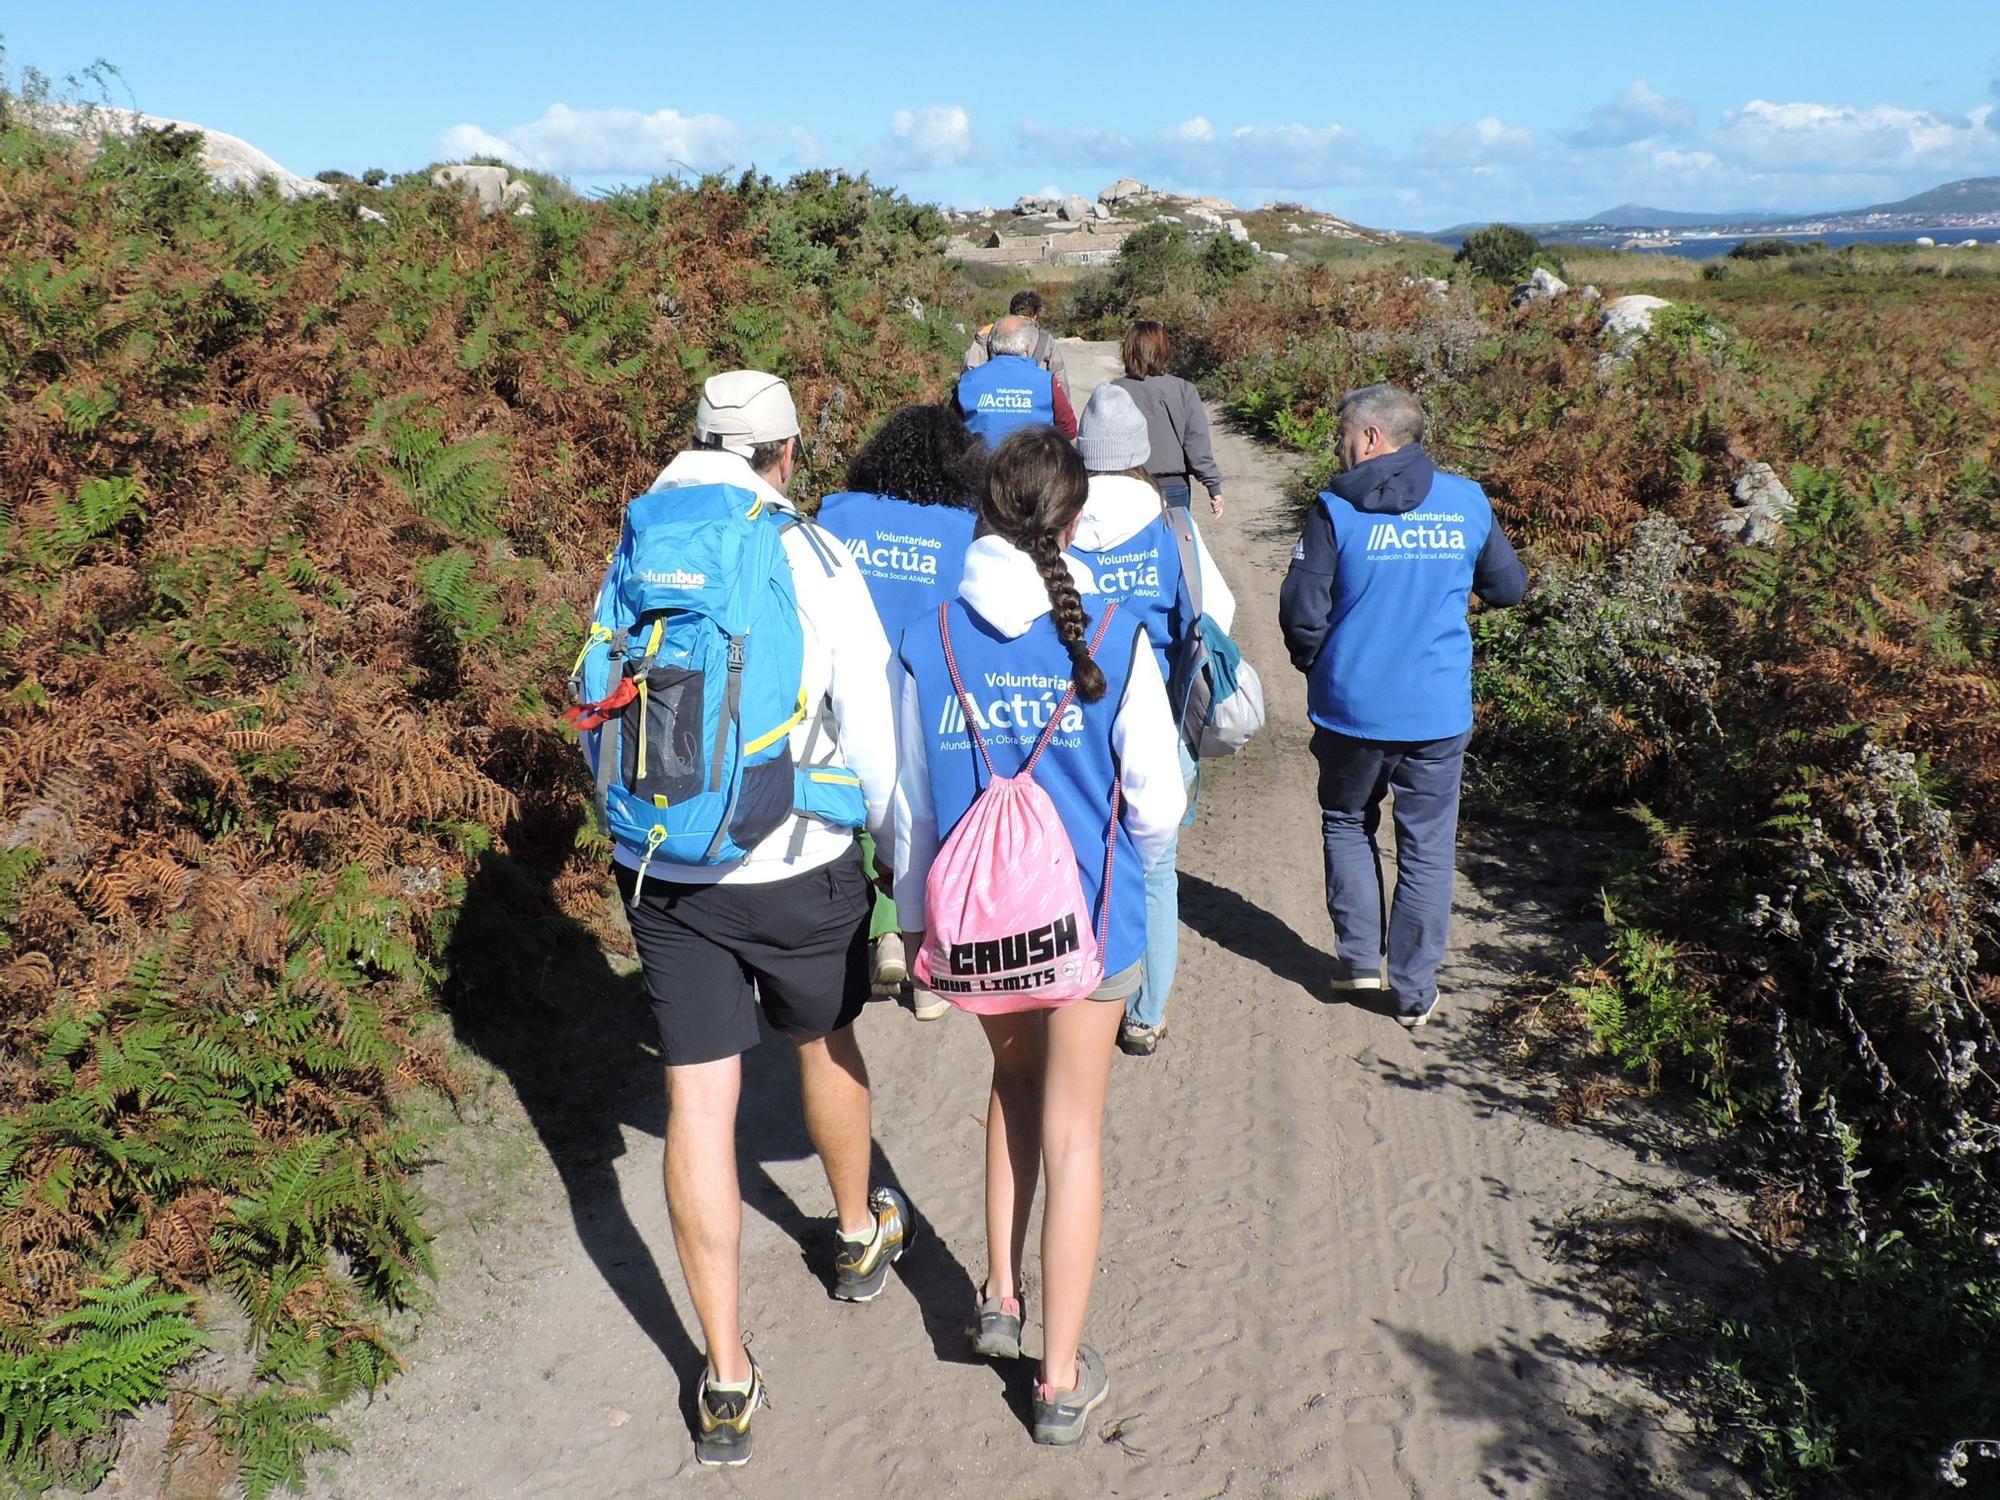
[1354,776]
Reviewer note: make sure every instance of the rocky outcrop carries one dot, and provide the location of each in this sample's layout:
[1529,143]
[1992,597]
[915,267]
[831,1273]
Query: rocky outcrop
[1030,204]
[495,189]
[1128,192]
[1763,506]
[1235,230]
[1539,287]
[1629,319]
[230,161]
[1074,209]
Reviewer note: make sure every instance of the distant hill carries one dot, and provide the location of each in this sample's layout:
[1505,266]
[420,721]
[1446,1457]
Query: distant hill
[1972,195]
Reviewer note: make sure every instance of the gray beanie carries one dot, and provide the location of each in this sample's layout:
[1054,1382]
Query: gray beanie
[1113,435]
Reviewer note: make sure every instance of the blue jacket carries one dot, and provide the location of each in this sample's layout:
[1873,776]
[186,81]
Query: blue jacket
[1143,575]
[1373,607]
[1008,391]
[911,555]
[1015,686]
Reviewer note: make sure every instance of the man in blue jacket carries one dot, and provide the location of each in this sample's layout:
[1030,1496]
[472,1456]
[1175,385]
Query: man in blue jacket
[1010,390]
[1374,613]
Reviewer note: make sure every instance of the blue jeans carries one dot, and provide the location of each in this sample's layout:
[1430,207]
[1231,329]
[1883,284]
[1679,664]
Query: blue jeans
[1148,1007]
[1175,493]
[1354,776]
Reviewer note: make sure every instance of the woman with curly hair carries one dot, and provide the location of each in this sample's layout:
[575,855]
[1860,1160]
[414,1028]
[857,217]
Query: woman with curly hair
[907,516]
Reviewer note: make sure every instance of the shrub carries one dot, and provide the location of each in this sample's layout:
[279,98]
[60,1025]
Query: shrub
[1504,254]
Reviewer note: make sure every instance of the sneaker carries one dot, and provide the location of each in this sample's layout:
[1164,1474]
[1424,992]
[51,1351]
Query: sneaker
[892,967]
[1062,1416]
[723,1438]
[996,1330]
[861,1270]
[1347,976]
[928,1005]
[1412,1019]
[1135,1040]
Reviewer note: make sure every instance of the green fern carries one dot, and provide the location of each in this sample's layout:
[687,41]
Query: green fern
[274,1432]
[103,1360]
[263,444]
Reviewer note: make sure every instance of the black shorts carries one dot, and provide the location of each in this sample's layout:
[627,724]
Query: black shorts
[712,955]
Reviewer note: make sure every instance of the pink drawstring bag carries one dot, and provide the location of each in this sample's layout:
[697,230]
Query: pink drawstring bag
[1008,928]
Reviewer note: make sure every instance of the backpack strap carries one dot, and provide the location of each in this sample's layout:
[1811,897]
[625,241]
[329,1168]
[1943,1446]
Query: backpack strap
[815,538]
[958,687]
[1181,524]
[1049,729]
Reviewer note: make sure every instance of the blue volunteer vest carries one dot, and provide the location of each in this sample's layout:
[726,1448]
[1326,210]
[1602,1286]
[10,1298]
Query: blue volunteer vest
[1143,575]
[912,555]
[1007,392]
[1397,663]
[1015,686]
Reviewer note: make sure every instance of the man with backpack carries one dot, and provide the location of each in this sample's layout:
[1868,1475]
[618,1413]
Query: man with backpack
[1028,305]
[734,691]
[1010,391]
[1373,610]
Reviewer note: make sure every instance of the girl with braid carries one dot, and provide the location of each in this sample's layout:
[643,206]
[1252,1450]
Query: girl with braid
[1026,629]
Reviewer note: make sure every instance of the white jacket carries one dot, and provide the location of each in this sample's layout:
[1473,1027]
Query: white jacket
[1119,508]
[846,670]
[1004,587]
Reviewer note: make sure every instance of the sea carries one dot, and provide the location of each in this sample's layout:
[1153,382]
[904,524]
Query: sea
[1705,246]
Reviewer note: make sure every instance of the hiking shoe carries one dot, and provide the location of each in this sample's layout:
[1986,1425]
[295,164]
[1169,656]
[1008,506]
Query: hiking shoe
[1135,1040]
[1412,1018]
[1062,1416]
[927,1005]
[722,1440]
[996,1328]
[861,1269]
[1348,976]
[892,967]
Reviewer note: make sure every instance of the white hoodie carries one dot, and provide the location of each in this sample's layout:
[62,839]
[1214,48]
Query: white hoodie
[1004,588]
[1119,508]
[846,669]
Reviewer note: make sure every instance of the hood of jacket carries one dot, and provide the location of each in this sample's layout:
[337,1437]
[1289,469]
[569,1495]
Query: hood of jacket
[1119,508]
[1004,587]
[713,466]
[1390,483]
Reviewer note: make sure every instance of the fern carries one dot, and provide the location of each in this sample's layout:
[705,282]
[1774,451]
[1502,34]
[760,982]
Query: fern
[468,607]
[102,1360]
[263,444]
[275,1432]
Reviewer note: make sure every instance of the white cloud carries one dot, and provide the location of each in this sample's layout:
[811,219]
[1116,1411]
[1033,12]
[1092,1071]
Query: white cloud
[1484,141]
[1637,114]
[612,141]
[1809,138]
[1194,155]
[938,135]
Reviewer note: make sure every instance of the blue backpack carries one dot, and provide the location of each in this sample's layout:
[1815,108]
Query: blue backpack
[689,683]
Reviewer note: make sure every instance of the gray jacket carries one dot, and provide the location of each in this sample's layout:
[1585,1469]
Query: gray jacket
[1046,354]
[1178,425]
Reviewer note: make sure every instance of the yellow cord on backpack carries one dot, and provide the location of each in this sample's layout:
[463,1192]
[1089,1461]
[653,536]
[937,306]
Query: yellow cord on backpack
[640,774]
[653,841]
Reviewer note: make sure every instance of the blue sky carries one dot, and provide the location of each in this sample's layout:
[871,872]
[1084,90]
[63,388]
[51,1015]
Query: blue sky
[1448,111]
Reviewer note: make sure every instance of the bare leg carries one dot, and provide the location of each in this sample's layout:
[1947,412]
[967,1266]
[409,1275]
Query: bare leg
[705,1203]
[833,1078]
[1080,1042]
[1013,1142]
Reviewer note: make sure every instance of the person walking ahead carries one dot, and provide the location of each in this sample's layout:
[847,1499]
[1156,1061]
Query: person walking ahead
[906,516]
[1025,304]
[783,930]
[1131,541]
[1373,611]
[1010,390]
[1175,418]
[1019,638]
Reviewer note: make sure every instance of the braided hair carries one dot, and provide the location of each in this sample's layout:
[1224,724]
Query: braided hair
[1035,489]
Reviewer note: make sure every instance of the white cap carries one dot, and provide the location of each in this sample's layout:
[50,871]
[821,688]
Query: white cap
[742,408]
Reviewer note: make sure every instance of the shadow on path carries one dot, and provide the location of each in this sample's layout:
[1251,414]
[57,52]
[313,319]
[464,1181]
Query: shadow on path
[533,992]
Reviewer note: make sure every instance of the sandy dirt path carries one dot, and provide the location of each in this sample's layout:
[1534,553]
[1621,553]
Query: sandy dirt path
[1326,1266]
